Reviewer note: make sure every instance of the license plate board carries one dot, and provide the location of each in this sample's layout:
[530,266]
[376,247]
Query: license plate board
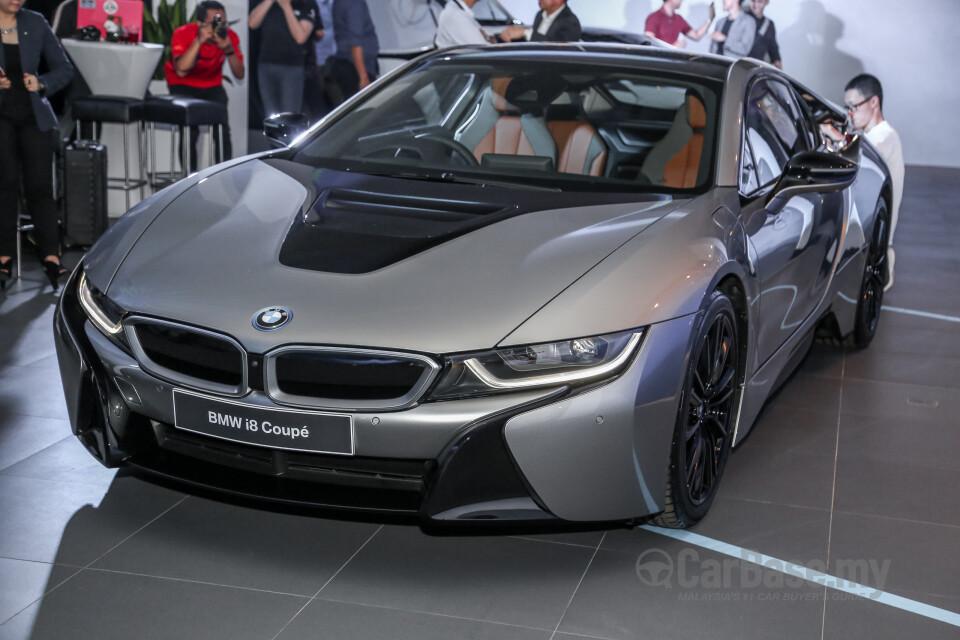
[288,429]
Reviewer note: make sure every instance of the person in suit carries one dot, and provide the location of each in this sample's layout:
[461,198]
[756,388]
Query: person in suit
[554,23]
[27,126]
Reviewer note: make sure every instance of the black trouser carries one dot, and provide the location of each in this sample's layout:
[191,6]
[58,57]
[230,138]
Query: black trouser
[28,152]
[345,81]
[214,94]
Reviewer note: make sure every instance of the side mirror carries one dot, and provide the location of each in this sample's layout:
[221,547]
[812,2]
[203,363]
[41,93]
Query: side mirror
[812,172]
[283,128]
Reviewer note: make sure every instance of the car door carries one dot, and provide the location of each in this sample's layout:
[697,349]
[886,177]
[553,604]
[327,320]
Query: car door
[792,251]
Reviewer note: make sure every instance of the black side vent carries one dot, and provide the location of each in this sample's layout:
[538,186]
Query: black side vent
[353,231]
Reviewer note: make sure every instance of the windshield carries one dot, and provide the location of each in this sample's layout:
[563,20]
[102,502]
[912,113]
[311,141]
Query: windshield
[554,124]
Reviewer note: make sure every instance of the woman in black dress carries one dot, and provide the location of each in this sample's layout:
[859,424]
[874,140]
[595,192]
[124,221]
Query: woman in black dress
[28,129]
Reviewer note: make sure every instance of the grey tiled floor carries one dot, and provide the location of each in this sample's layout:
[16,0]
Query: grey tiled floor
[856,459]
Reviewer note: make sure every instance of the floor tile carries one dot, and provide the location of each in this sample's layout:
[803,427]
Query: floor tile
[822,360]
[74,524]
[811,430]
[677,591]
[922,443]
[518,582]
[789,533]
[30,391]
[99,605]
[23,436]
[904,402]
[65,461]
[847,617]
[29,338]
[803,391]
[579,538]
[232,545]
[898,490]
[22,582]
[325,620]
[793,534]
[907,557]
[875,363]
[769,474]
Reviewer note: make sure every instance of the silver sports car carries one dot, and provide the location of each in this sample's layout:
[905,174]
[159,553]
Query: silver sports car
[524,282]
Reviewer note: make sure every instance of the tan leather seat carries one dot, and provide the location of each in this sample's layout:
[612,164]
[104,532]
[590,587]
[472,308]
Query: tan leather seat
[580,149]
[498,127]
[675,160]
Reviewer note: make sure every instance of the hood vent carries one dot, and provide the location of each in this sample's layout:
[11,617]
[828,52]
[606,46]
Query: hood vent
[400,206]
[353,231]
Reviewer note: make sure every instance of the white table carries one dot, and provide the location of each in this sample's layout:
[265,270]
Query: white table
[113,68]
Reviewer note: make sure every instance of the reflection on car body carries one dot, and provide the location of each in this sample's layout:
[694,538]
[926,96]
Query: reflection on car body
[521,282]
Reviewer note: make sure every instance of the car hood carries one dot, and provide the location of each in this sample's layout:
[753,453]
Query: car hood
[221,251]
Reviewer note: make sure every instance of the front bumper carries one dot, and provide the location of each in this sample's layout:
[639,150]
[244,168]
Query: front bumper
[595,455]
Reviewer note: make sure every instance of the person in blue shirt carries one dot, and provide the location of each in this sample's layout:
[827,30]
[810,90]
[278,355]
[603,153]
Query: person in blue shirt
[354,65]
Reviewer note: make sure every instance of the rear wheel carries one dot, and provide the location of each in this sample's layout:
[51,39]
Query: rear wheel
[705,421]
[874,279]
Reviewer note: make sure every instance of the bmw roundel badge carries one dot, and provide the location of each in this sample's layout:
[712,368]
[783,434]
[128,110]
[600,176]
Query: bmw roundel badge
[271,318]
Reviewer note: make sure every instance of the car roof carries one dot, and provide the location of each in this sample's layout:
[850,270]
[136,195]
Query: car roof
[652,58]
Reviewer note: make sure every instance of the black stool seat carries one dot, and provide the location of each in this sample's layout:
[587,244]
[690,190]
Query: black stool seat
[99,109]
[184,112]
[108,109]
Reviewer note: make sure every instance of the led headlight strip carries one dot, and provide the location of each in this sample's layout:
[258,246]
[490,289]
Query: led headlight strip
[494,382]
[94,311]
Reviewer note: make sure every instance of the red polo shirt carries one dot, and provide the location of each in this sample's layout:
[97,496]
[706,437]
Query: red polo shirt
[208,72]
[667,28]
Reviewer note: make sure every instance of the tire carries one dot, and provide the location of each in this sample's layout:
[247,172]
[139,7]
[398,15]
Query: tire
[705,418]
[874,278]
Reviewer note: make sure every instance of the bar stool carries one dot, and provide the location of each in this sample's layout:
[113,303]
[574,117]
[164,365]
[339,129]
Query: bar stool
[22,227]
[115,110]
[182,112]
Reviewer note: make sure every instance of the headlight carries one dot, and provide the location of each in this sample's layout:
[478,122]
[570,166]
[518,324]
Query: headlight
[102,312]
[576,361]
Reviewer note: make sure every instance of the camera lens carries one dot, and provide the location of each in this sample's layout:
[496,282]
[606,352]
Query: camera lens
[221,31]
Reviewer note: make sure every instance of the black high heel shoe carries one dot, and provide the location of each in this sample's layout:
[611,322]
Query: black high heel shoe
[54,271]
[6,270]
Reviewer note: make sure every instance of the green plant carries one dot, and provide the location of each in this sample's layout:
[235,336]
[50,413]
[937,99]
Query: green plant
[159,29]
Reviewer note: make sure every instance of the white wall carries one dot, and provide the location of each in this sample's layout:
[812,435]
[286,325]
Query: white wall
[913,48]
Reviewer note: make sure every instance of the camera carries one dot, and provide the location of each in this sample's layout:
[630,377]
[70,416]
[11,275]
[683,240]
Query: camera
[219,26]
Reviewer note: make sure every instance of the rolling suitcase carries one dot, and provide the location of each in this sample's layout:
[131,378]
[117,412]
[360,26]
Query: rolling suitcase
[85,193]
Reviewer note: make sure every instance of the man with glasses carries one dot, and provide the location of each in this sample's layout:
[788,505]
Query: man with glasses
[863,98]
[195,70]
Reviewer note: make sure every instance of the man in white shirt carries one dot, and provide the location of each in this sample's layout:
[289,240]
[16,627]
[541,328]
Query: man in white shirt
[863,98]
[457,25]
[554,23]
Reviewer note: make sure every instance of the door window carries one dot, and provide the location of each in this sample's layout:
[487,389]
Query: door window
[771,133]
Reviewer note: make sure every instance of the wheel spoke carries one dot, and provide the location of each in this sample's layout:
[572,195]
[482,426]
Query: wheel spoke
[694,459]
[719,426]
[719,349]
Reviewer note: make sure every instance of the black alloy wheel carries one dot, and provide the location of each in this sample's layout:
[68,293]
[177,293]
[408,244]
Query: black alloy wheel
[874,279]
[706,418]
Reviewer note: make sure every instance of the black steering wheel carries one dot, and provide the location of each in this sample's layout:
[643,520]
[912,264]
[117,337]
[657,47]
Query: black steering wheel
[435,147]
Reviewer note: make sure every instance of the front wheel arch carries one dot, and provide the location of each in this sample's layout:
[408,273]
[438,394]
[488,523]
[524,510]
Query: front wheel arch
[706,414]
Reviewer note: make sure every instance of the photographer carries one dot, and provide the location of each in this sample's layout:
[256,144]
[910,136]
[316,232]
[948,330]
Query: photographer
[196,68]
[286,29]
